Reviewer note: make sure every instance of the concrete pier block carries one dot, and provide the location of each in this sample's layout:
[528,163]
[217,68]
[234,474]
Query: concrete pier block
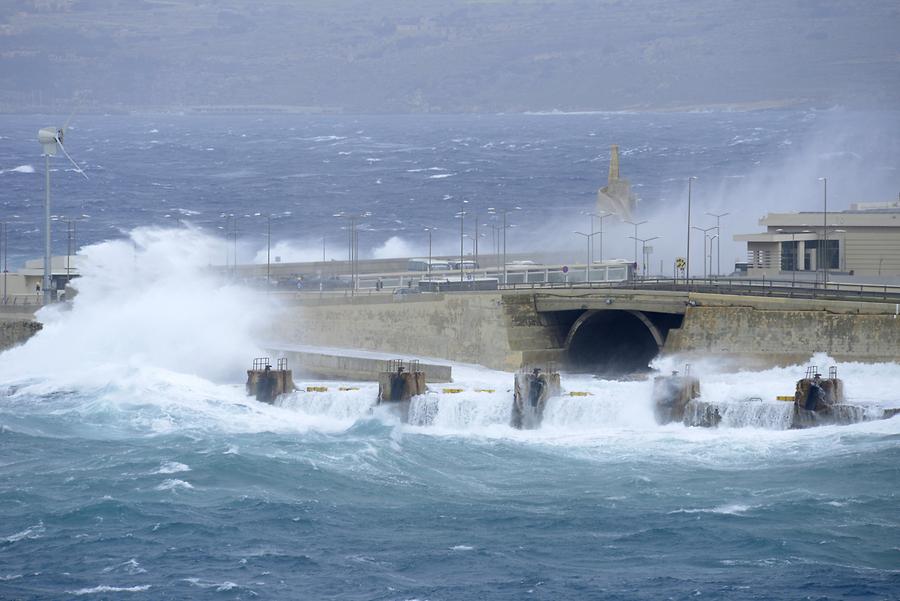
[671,394]
[267,384]
[532,389]
[401,381]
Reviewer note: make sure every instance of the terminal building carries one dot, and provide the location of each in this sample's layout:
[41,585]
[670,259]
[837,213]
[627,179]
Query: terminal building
[861,242]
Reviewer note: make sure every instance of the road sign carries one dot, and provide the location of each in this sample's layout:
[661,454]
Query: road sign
[680,263]
[565,269]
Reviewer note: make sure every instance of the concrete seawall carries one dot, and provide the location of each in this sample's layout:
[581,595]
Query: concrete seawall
[469,328]
[769,331]
[507,330]
[340,366]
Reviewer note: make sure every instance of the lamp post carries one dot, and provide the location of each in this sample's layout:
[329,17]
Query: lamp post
[587,267]
[353,245]
[704,230]
[429,230]
[644,242]
[635,238]
[719,242]
[71,244]
[601,217]
[709,255]
[505,227]
[269,248]
[687,267]
[230,233]
[475,250]
[824,181]
[461,215]
[4,251]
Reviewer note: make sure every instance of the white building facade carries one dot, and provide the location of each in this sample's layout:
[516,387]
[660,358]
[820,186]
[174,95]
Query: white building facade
[858,242]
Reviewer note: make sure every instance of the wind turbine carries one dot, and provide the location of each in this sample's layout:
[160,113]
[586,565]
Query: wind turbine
[51,140]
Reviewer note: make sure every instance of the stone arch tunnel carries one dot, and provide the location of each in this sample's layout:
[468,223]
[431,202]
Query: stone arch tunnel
[613,341]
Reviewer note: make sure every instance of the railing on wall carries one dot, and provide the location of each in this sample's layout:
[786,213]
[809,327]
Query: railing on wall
[739,286]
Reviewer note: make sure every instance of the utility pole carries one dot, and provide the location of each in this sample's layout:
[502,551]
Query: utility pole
[601,217]
[824,181]
[704,230]
[462,218]
[644,242]
[587,267]
[687,268]
[4,250]
[718,242]
[635,238]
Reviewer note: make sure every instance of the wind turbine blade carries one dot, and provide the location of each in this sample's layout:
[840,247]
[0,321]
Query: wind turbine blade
[69,120]
[71,160]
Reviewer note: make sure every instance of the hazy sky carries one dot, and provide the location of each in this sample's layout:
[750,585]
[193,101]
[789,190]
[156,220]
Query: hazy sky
[448,55]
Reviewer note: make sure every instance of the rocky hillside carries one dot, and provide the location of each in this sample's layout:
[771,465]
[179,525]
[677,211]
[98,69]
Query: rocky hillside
[452,55]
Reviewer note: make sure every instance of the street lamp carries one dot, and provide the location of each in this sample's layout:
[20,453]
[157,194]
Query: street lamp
[4,253]
[230,221]
[269,248]
[71,243]
[704,230]
[718,243]
[587,268]
[643,242]
[824,181]
[709,255]
[353,245]
[601,217]
[461,215]
[429,230]
[504,227]
[687,267]
[635,238]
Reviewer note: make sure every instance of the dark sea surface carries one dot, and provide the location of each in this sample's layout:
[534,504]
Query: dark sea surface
[132,465]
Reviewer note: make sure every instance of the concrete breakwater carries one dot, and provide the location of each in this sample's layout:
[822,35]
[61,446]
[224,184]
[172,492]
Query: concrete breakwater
[16,331]
[602,330]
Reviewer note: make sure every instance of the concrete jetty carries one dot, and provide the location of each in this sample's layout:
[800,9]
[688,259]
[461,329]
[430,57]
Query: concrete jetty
[348,364]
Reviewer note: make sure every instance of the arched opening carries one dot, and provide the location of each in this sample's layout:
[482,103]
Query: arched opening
[612,342]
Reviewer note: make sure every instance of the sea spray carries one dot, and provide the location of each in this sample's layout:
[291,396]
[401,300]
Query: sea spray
[146,302]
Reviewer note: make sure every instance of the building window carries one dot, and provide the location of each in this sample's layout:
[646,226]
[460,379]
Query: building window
[789,255]
[830,255]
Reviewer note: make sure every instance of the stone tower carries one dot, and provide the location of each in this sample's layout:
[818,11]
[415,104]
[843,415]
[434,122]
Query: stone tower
[616,196]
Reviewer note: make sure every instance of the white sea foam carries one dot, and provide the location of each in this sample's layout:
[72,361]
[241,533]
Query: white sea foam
[172,467]
[173,484]
[728,509]
[19,169]
[110,589]
[31,532]
[132,566]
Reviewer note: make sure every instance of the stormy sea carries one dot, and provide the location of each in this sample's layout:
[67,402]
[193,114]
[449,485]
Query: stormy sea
[134,466]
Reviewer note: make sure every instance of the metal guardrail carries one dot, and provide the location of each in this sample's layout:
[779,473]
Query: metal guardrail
[737,286]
